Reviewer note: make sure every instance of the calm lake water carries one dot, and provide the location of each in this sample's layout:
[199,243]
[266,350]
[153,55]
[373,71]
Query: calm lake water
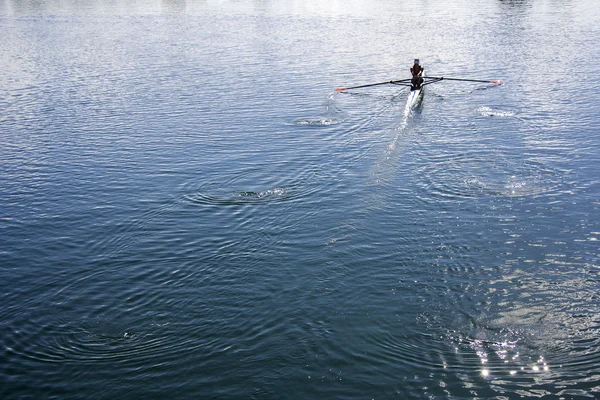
[189,210]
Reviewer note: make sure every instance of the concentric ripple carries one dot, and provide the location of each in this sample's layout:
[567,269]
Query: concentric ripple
[246,189]
[490,112]
[213,194]
[478,174]
[318,121]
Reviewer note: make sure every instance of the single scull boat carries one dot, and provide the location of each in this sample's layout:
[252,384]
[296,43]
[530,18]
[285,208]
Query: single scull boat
[416,95]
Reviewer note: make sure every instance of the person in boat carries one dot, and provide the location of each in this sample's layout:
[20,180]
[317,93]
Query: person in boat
[417,75]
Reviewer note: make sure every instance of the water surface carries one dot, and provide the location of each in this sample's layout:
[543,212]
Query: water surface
[189,210]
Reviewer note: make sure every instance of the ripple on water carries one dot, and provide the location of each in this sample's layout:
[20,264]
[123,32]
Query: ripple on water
[490,112]
[212,194]
[91,342]
[332,114]
[317,121]
[243,189]
[479,174]
[109,321]
[520,332]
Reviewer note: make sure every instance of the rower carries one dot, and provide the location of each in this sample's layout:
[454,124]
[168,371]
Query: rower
[417,72]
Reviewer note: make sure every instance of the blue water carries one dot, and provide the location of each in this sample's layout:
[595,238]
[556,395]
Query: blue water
[189,210]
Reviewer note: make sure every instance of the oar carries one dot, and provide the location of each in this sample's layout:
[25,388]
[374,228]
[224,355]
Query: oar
[496,82]
[371,84]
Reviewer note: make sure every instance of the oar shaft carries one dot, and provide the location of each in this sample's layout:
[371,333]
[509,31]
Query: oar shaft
[468,80]
[371,84]
[432,79]
[363,86]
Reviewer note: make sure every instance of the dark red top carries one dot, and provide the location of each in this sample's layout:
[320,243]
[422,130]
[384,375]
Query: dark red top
[416,70]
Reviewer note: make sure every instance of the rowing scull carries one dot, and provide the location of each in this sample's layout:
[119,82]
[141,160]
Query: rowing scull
[414,97]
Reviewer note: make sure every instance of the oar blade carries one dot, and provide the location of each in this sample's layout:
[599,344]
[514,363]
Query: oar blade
[497,82]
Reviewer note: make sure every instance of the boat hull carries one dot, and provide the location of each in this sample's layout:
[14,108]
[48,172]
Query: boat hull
[415,97]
